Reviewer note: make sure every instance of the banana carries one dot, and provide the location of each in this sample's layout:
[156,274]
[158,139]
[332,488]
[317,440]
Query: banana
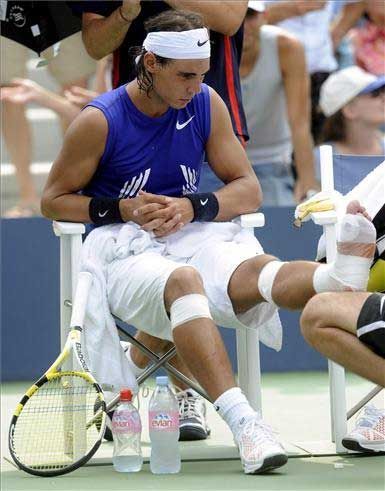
[312,206]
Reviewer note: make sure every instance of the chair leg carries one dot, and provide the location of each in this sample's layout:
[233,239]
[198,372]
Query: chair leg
[249,370]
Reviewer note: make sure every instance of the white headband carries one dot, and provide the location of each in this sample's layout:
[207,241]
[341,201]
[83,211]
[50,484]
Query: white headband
[185,45]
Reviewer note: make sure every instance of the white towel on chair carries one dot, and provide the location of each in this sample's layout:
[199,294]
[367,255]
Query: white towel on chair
[104,354]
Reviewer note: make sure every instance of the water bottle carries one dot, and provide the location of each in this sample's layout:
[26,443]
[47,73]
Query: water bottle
[164,429]
[126,431]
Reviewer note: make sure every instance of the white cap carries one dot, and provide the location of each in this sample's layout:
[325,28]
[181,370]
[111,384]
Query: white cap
[256,5]
[343,86]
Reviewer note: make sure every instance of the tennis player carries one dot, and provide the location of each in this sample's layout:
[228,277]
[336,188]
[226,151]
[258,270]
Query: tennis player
[131,161]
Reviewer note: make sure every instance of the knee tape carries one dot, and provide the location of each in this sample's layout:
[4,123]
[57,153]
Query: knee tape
[188,308]
[266,279]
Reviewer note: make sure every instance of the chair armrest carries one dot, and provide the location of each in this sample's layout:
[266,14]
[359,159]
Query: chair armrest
[250,220]
[68,228]
[324,217]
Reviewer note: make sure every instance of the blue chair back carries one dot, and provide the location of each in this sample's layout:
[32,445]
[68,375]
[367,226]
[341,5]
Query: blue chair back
[349,170]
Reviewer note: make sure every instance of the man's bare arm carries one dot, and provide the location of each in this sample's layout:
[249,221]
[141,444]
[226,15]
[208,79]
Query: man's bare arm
[346,19]
[279,11]
[74,167]
[297,90]
[227,158]
[225,17]
[103,35]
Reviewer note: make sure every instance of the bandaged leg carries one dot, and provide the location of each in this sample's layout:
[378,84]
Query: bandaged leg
[188,308]
[356,242]
[266,279]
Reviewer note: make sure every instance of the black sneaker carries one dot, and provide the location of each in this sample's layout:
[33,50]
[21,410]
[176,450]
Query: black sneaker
[192,416]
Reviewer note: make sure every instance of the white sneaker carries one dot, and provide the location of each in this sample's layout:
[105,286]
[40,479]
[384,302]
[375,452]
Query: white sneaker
[369,432]
[260,451]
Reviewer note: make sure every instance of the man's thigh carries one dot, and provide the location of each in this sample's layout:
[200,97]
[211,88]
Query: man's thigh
[218,264]
[135,290]
[340,309]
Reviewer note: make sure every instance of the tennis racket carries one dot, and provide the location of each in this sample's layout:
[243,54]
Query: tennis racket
[50,432]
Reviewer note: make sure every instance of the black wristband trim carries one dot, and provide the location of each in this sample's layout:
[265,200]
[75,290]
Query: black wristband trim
[104,211]
[205,206]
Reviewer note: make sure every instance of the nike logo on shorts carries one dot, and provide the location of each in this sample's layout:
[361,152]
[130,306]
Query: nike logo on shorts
[200,43]
[180,126]
[103,214]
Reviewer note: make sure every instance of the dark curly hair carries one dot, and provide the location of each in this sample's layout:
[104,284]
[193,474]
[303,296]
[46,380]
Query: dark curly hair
[170,20]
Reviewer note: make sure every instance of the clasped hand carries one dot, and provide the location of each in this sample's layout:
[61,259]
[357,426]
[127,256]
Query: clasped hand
[159,214]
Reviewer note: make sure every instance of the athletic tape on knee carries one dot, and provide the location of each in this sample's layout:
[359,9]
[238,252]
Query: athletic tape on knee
[266,279]
[188,308]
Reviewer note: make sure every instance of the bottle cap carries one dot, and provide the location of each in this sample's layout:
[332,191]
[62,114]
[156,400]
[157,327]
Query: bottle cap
[125,395]
[161,380]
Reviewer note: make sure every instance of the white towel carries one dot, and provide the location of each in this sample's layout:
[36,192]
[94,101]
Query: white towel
[104,354]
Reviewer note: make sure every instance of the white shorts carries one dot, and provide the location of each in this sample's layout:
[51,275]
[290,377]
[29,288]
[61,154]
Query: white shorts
[140,300]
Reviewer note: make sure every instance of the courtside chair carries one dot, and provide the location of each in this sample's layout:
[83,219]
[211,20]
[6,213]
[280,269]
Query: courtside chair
[340,173]
[249,375]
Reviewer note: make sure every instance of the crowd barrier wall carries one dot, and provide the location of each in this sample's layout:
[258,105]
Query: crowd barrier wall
[30,296]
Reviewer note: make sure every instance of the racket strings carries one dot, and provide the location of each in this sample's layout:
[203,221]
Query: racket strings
[51,431]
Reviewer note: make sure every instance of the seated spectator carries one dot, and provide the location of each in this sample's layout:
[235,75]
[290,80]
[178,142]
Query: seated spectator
[275,90]
[311,22]
[369,39]
[353,103]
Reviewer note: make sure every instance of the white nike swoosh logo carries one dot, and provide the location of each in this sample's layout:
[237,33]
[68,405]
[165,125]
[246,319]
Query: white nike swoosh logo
[180,126]
[203,202]
[103,214]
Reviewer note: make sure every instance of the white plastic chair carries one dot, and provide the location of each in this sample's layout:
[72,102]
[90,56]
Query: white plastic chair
[337,381]
[249,374]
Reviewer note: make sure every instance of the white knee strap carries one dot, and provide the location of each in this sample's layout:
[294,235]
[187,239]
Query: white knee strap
[266,279]
[188,308]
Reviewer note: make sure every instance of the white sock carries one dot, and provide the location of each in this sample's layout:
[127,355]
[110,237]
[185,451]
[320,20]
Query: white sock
[134,368]
[356,240]
[233,406]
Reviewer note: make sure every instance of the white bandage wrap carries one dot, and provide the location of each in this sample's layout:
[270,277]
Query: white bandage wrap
[356,241]
[188,308]
[185,45]
[266,279]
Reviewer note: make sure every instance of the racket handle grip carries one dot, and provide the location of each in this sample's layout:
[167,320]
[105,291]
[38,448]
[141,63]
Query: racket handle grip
[79,303]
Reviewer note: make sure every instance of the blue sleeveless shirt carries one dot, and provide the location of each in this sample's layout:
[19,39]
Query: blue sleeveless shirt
[159,155]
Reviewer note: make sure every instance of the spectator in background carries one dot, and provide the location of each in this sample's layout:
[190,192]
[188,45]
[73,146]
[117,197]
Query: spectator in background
[275,88]
[116,26]
[353,102]
[369,38]
[72,66]
[310,22]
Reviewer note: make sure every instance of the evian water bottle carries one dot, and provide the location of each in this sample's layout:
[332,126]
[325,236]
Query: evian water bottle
[164,429]
[126,430]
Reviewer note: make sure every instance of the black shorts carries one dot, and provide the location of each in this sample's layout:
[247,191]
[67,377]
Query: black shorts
[371,323]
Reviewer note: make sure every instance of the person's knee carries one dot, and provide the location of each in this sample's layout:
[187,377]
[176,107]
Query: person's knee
[183,281]
[314,317]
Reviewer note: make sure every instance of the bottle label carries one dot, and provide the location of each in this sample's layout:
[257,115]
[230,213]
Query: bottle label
[163,421]
[126,421]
